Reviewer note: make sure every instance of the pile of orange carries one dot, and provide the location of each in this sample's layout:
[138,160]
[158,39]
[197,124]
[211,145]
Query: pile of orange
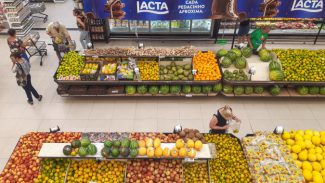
[206,66]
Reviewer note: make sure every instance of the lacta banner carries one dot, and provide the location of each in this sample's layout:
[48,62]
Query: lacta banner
[202,9]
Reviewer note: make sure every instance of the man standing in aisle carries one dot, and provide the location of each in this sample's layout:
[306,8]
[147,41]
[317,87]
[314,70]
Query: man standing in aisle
[59,35]
[257,39]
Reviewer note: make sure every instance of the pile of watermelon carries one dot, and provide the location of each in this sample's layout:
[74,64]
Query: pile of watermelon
[275,71]
[81,147]
[312,90]
[124,148]
[234,56]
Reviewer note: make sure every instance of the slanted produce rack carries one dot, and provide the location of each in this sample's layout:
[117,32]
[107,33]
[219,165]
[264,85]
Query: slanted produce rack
[109,85]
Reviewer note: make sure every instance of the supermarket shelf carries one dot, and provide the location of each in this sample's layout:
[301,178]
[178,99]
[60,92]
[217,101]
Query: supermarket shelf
[270,83]
[140,95]
[285,92]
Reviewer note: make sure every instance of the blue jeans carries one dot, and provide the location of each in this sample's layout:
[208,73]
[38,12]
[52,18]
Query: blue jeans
[29,89]
[25,56]
[84,38]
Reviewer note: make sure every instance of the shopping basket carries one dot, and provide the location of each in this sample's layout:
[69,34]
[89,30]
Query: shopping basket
[39,8]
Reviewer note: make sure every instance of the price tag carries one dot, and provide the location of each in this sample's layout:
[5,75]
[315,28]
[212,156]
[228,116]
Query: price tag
[189,160]
[188,95]
[162,57]
[92,182]
[115,91]
[194,71]
[95,56]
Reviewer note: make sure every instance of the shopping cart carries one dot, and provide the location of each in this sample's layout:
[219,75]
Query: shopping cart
[35,47]
[37,10]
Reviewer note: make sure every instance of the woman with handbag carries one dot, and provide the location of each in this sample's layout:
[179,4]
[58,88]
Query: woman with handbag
[16,45]
[22,69]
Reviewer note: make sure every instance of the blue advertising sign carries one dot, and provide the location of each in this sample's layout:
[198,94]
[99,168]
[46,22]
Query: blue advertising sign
[203,9]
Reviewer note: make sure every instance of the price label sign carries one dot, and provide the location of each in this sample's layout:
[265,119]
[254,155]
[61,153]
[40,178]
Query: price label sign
[189,160]
[194,71]
[188,95]
[95,56]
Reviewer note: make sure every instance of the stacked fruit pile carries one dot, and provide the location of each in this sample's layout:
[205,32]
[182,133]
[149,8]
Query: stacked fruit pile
[81,147]
[70,66]
[196,172]
[123,148]
[234,56]
[302,64]
[23,165]
[230,164]
[311,90]
[270,160]
[206,66]
[148,70]
[165,138]
[125,72]
[235,75]
[109,68]
[191,134]
[52,170]
[93,171]
[308,149]
[175,72]
[149,171]
[90,68]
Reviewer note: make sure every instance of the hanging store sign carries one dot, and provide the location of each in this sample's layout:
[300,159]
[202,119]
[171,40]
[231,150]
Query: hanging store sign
[202,9]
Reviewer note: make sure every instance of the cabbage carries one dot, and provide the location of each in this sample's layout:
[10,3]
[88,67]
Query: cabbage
[222,53]
[313,90]
[217,87]
[153,90]
[322,90]
[265,55]
[164,89]
[228,89]
[275,90]
[186,89]
[142,89]
[239,90]
[206,89]
[175,89]
[302,90]
[130,90]
[249,90]
[258,90]
[196,89]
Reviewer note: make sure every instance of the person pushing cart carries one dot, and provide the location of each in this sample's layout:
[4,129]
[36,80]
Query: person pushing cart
[61,38]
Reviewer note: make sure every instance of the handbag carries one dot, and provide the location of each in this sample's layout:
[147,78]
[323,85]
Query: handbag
[21,78]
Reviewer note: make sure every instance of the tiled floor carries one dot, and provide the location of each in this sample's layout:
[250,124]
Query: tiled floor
[133,114]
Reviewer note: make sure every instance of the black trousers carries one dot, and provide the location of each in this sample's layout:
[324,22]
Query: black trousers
[29,89]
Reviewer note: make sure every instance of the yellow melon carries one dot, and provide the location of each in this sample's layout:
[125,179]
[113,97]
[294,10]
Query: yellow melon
[149,142]
[191,153]
[150,152]
[198,145]
[166,152]
[158,152]
[180,143]
[142,151]
[142,143]
[182,152]
[174,152]
[156,143]
[190,143]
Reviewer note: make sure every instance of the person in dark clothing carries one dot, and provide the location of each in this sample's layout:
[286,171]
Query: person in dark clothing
[16,45]
[22,69]
[82,23]
[243,30]
[219,122]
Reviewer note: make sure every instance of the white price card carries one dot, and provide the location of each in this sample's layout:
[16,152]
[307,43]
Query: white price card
[188,95]
[189,160]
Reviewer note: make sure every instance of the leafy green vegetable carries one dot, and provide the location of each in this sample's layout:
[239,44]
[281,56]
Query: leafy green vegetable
[249,90]
[175,89]
[130,90]
[322,90]
[206,89]
[196,89]
[313,90]
[258,90]
[239,90]
[302,90]
[217,87]
[164,89]
[153,90]
[275,90]
[142,89]
[228,89]
[186,89]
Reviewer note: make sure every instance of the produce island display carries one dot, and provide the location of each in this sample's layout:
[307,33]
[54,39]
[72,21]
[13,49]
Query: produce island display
[189,72]
[294,156]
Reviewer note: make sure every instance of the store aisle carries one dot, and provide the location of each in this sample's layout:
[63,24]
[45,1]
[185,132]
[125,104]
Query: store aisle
[134,114]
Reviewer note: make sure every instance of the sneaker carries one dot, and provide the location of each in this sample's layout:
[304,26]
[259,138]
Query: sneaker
[241,45]
[40,98]
[30,102]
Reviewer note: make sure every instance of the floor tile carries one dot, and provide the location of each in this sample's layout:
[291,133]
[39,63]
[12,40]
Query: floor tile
[101,111]
[262,125]
[167,125]
[3,162]
[121,125]
[98,125]
[145,125]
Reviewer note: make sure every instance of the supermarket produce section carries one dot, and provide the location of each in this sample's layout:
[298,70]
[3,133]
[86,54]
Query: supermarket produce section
[190,72]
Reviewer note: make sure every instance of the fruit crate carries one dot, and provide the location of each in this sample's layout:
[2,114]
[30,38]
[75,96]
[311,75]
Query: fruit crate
[96,90]
[91,76]
[78,90]
[199,163]
[111,76]
[115,90]
[174,67]
[122,66]
[62,89]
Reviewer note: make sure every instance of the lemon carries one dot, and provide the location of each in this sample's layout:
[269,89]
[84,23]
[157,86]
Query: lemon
[312,157]
[300,132]
[302,144]
[290,142]
[318,179]
[309,132]
[308,144]
[322,163]
[316,166]
[294,156]
[303,156]
[298,137]
[319,157]
[307,137]
[316,133]
[322,139]
[322,133]
[296,148]
[318,150]
[286,135]
[307,175]
[298,163]
[316,140]
[307,166]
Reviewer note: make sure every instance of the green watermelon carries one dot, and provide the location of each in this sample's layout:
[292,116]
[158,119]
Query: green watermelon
[237,52]
[232,56]
[115,152]
[239,90]
[206,89]
[274,65]
[116,143]
[275,90]
[67,150]
[83,151]
[108,143]
[125,143]
[226,62]
[314,90]
[186,89]
[105,152]
[142,89]
[222,53]
[85,142]
[175,89]
[302,90]
[196,89]
[276,75]
[134,144]
[265,55]
[247,52]
[258,90]
[228,89]
[164,89]
[133,153]
[249,90]
[240,63]
[153,90]
[125,152]
[92,149]
[75,144]
[322,90]
[217,88]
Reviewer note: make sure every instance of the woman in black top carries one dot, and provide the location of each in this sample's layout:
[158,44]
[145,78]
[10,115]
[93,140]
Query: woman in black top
[82,23]
[16,45]
[219,121]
